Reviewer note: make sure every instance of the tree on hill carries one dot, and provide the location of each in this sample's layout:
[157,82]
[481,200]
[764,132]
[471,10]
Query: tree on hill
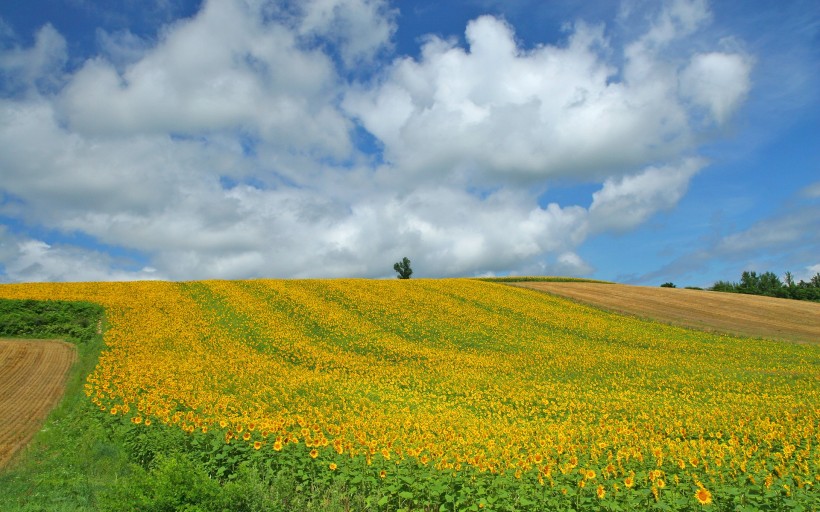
[403,268]
[770,285]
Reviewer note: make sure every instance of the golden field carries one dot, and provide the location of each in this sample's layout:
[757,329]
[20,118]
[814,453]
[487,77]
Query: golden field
[462,377]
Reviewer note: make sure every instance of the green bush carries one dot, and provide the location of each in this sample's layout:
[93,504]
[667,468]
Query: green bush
[79,321]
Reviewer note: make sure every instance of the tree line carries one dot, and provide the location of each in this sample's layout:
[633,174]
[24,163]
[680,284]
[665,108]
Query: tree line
[769,284]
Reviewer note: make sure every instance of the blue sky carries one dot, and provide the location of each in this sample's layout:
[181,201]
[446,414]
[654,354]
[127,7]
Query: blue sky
[634,141]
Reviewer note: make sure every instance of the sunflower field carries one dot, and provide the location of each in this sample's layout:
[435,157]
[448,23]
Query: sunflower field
[454,394]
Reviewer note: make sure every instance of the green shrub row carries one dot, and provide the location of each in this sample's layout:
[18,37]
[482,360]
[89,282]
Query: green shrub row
[77,321]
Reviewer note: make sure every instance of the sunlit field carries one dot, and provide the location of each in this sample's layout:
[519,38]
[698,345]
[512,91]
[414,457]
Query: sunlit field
[457,394]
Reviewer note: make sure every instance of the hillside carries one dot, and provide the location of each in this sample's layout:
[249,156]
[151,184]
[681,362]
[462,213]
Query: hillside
[439,394]
[746,315]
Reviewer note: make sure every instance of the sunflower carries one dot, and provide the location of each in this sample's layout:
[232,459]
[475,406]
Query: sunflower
[601,492]
[703,496]
[314,453]
[333,466]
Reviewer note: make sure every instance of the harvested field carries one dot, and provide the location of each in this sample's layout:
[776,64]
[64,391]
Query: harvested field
[32,381]
[748,315]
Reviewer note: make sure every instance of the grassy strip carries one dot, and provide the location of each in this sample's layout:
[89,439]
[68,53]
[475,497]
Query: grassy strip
[71,459]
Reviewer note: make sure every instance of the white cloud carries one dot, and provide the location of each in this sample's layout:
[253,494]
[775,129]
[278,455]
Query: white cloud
[60,173]
[29,260]
[797,228]
[718,82]
[808,273]
[122,48]
[214,150]
[495,111]
[627,202]
[224,69]
[38,66]
[360,28]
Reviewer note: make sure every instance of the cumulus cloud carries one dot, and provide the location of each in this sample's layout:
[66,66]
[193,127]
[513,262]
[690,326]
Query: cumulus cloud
[224,69]
[718,82]
[627,202]
[29,260]
[122,48]
[225,148]
[359,28]
[550,111]
[37,67]
[495,110]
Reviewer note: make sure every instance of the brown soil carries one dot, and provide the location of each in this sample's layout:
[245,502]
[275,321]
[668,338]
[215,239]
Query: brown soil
[748,315]
[32,381]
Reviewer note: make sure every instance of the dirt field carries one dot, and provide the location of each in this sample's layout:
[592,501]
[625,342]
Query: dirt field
[32,380]
[749,315]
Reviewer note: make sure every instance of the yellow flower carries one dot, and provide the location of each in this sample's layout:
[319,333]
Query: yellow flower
[333,466]
[314,453]
[601,492]
[257,445]
[629,482]
[589,474]
[382,474]
[703,496]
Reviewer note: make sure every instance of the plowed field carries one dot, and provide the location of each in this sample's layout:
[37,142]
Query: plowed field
[748,315]
[32,380]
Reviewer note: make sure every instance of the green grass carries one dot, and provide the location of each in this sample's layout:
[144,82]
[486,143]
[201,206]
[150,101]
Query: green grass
[72,458]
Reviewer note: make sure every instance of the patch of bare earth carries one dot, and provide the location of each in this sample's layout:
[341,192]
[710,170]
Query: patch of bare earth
[748,315]
[32,380]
